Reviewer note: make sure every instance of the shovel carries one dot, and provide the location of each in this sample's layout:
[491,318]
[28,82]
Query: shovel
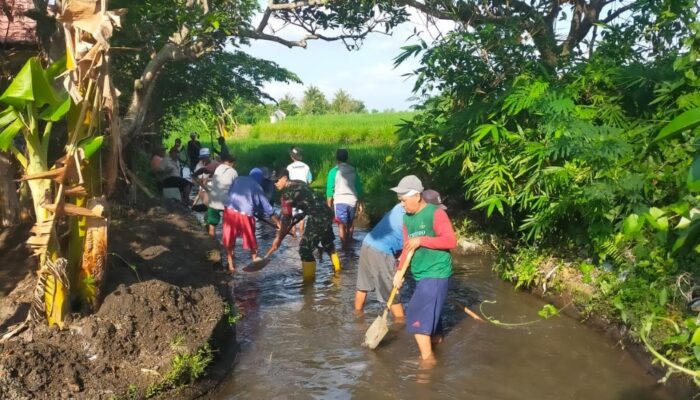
[260,263]
[379,328]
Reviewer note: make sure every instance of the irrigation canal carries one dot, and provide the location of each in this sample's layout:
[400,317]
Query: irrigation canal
[303,342]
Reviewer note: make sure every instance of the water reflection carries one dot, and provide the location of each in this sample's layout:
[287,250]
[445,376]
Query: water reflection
[304,342]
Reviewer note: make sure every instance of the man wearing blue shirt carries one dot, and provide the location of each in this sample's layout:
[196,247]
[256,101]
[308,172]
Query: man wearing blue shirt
[245,199]
[378,261]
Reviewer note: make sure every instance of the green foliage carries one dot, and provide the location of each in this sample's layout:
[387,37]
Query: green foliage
[522,268]
[31,99]
[232,314]
[365,128]
[220,75]
[593,156]
[314,102]
[548,311]
[344,104]
[288,104]
[185,369]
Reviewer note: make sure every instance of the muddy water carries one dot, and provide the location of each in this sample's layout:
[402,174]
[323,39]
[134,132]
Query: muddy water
[303,342]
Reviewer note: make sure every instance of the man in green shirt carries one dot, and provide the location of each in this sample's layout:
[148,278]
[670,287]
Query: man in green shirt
[343,191]
[428,232]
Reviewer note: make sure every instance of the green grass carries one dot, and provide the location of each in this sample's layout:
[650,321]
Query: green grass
[379,128]
[370,161]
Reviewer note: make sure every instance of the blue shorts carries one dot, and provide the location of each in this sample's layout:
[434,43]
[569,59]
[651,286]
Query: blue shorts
[344,214]
[425,307]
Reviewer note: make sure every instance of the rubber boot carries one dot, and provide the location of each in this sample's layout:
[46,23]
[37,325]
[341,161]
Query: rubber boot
[308,271]
[336,262]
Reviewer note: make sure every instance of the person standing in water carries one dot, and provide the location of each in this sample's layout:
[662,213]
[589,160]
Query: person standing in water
[427,230]
[297,194]
[343,190]
[298,171]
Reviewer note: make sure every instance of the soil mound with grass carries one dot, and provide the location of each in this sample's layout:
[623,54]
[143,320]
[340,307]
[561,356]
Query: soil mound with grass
[161,321]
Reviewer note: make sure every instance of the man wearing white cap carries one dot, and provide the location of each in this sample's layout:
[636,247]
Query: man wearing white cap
[426,230]
[378,254]
[298,171]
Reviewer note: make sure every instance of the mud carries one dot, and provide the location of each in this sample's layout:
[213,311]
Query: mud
[162,298]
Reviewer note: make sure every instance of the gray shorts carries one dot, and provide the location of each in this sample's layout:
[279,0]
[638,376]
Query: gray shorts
[376,272]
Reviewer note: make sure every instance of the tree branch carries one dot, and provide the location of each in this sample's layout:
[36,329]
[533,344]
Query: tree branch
[265,20]
[296,4]
[617,12]
[273,38]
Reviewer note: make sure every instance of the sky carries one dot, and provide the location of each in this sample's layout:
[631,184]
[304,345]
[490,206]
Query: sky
[366,74]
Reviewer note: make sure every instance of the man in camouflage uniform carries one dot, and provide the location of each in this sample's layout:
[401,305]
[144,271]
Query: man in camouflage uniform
[297,194]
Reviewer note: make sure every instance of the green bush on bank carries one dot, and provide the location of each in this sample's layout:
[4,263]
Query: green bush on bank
[597,164]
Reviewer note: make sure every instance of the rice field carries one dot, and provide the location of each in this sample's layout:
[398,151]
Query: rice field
[378,128]
[370,139]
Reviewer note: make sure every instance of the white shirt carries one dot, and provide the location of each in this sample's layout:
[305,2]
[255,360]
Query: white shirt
[219,184]
[298,171]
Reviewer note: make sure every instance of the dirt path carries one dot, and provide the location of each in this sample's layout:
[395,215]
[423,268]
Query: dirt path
[162,299]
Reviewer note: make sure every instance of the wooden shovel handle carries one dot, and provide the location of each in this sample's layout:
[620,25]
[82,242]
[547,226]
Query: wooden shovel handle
[402,271]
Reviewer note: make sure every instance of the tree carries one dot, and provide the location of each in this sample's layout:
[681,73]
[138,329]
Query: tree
[288,104]
[156,34]
[342,102]
[314,102]
[358,106]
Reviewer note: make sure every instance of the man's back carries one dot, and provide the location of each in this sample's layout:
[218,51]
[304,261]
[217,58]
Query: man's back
[299,171]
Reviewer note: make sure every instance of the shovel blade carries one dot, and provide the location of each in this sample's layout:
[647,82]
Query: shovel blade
[257,265]
[376,332]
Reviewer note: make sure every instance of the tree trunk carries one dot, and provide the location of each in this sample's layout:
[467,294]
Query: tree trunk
[9,201]
[132,122]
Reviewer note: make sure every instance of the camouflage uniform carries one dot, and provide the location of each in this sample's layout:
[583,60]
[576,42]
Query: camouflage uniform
[319,218]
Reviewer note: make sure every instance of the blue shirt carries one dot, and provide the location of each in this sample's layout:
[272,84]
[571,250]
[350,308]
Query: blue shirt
[387,235]
[246,196]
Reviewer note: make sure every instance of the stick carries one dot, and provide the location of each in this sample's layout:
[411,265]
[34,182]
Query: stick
[140,184]
[472,314]
[468,311]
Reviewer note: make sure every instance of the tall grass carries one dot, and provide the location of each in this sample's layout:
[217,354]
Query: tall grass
[363,128]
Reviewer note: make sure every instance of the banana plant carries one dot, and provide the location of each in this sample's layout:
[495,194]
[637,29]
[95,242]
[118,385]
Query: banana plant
[32,107]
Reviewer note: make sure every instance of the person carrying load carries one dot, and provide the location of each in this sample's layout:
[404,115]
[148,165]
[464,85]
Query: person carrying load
[297,194]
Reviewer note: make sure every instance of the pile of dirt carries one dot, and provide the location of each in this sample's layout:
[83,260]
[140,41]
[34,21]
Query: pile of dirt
[162,298]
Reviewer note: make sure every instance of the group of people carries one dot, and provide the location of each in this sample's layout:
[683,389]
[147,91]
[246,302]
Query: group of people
[418,225]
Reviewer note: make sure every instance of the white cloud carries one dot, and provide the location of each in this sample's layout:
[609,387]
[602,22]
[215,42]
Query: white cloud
[367,74]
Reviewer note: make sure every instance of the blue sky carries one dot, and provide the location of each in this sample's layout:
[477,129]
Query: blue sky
[367,74]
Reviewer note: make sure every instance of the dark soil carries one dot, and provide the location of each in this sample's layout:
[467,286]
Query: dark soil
[162,298]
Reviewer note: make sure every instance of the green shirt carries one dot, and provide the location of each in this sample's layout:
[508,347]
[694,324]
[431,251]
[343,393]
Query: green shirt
[426,263]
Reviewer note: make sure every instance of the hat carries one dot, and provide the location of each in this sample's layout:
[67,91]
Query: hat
[295,153]
[280,173]
[204,152]
[258,175]
[433,197]
[408,184]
